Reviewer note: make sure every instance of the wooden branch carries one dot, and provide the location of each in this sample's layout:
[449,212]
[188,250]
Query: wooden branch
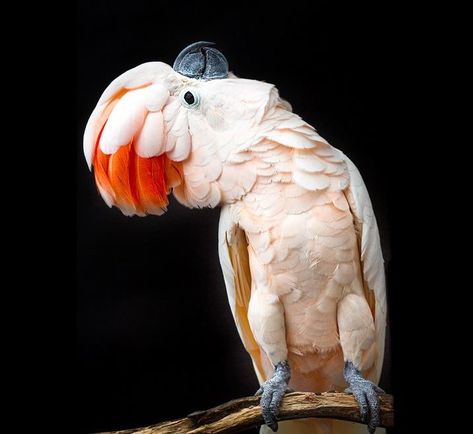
[244,413]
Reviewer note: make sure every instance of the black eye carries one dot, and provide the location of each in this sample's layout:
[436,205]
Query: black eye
[189,98]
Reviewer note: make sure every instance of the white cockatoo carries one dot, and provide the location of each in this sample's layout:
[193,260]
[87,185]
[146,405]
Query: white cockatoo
[298,241]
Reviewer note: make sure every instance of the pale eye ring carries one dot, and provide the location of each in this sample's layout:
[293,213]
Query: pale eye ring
[190,98]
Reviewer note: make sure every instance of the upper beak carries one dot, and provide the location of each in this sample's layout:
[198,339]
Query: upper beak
[202,61]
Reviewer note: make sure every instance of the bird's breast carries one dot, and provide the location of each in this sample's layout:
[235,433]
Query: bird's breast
[308,259]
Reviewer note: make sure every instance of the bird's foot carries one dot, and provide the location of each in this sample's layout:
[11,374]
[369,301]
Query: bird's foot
[366,394]
[272,393]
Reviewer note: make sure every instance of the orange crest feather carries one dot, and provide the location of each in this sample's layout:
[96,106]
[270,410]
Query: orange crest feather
[134,184]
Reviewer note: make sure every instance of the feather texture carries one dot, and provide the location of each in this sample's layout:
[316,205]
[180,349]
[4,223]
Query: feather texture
[126,139]
[233,253]
[150,140]
[371,257]
[298,241]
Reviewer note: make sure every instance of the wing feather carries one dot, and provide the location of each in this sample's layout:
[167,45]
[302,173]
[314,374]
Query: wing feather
[233,253]
[371,256]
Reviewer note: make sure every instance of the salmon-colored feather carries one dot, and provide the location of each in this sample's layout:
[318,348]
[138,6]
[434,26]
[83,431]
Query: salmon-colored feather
[173,171]
[101,163]
[119,171]
[151,184]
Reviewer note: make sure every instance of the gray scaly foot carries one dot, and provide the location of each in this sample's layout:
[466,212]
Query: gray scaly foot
[366,394]
[272,393]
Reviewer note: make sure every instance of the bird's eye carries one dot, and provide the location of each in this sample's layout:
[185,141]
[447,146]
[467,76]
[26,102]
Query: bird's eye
[190,98]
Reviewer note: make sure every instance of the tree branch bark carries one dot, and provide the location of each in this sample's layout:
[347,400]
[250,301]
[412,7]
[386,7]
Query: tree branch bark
[244,413]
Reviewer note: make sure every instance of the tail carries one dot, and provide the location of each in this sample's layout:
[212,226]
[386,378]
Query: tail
[319,426]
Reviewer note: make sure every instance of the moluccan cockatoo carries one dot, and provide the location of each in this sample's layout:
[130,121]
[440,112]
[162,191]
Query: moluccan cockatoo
[298,240]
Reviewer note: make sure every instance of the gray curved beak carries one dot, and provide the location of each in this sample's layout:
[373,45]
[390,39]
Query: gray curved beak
[201,61]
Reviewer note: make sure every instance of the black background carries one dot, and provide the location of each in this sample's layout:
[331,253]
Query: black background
[154,332]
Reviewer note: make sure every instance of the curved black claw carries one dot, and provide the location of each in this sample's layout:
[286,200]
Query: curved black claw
[366,394]
[272,392]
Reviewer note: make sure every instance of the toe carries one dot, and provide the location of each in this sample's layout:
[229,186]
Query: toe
[273,425]
[266,398]
[363,404]
[373,403]
[378,389]
[266,409]
[269,419]
[276,400]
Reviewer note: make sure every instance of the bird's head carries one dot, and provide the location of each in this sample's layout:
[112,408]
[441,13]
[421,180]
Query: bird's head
[186,129]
